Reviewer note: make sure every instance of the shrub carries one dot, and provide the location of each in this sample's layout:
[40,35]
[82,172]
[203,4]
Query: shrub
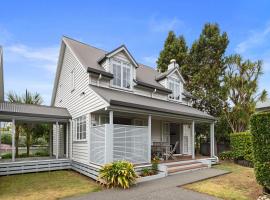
[117,174]
[146,172]
[226,155]
[241,145]
[155,162]
[260,129]
[6,138]
[6,156]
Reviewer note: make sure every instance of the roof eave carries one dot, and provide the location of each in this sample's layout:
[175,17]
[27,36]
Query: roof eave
[98,72]
[152,86]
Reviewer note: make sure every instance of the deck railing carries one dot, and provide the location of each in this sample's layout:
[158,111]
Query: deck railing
[112,142]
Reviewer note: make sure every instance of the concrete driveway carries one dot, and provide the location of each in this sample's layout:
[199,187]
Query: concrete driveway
[161,189]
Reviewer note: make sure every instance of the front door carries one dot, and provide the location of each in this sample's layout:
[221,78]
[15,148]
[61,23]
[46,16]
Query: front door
[175,136]
[186,139]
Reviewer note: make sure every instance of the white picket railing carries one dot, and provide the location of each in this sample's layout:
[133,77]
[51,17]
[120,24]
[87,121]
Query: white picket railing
[112,142]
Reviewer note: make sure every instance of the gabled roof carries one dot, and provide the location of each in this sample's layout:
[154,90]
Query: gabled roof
[168,73]
[120,98]
[90,58]
[1,76]
[117,50]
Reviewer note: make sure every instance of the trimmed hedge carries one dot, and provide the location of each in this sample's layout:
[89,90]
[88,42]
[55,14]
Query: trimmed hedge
[241,145]
[260,129]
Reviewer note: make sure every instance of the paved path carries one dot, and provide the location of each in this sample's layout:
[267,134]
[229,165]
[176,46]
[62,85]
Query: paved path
[161,189]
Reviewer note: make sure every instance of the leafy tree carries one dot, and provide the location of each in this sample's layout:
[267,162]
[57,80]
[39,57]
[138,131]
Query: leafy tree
[174,48]
[27,98]
[241,85]
[205,68]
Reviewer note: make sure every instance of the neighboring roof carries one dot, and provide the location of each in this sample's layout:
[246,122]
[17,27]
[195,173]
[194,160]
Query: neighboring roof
[1,76]
[29,110]
[263,105]
[120,98]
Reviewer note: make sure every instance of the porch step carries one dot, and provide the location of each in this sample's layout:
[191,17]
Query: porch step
[185,167]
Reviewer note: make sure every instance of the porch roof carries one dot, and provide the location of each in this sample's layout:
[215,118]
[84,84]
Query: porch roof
[126,99]
[32,112]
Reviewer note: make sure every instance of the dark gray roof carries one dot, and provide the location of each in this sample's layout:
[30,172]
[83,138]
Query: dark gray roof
[90,57]
[116,97]
[29,110]
[1,76]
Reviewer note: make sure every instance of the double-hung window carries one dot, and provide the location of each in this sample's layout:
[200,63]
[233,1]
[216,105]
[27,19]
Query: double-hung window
[122,74]
[80,128]
[174,85]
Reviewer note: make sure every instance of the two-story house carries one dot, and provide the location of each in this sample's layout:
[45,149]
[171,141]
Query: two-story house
[121,109]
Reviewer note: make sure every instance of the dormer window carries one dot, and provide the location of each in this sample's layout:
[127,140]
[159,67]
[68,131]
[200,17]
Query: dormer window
[122,73]
[174,85]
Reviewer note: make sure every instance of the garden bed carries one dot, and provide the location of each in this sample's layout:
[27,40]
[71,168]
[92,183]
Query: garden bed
[151,177]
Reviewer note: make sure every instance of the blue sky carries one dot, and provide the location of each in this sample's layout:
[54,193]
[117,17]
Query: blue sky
[31,31]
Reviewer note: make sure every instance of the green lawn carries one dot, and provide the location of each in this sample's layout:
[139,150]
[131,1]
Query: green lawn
[45,185]
[240,184]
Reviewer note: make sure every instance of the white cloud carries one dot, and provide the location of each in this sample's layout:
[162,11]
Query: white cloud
[255,39]
[164,25]
[150,60]
[43,57]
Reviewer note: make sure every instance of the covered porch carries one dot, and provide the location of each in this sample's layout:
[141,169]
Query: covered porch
[125,133]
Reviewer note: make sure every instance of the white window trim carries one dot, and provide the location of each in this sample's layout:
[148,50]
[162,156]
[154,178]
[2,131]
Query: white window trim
[76,130]
[175,81]
[122,62]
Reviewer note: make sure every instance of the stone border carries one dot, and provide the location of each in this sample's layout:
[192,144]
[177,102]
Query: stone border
[151,178]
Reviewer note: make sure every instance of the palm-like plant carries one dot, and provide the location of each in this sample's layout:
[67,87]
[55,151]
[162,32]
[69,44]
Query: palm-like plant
[27,98]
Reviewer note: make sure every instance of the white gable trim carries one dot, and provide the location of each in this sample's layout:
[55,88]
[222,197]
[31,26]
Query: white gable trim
[179,74]
[123,48]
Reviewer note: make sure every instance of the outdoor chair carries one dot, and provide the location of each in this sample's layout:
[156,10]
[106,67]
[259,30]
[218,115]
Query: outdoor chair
[170,154]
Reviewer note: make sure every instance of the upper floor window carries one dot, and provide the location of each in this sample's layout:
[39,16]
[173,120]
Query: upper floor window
[72,76]
[80,128]
[122,74]
[174,85]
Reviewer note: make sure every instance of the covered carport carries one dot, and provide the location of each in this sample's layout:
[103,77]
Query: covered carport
[13,112]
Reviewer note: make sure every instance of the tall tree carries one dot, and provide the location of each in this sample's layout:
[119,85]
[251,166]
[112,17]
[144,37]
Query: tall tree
[241,85]
[27,98]
[205,68]
[174,48]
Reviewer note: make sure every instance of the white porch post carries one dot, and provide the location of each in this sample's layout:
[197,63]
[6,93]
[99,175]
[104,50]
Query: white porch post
[57,140]
[88,135]
[109,139]
[13,139]
[212,139]
[149,137]
[193,139]
[111,117]
[67,140]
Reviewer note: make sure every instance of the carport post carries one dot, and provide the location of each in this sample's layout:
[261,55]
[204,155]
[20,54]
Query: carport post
[13,132]
[67,140]
[0,138]
[57,140]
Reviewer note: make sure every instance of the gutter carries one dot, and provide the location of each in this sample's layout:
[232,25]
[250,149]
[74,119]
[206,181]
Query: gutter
[98,72]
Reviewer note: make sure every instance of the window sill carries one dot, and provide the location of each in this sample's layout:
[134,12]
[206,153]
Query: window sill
[80,141]
[120,88]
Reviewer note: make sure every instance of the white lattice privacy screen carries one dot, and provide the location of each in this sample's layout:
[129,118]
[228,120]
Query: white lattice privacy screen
[97,144]
[130,143]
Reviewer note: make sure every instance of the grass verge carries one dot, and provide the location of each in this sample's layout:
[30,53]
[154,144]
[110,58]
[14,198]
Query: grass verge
[240,184]
[45,185]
